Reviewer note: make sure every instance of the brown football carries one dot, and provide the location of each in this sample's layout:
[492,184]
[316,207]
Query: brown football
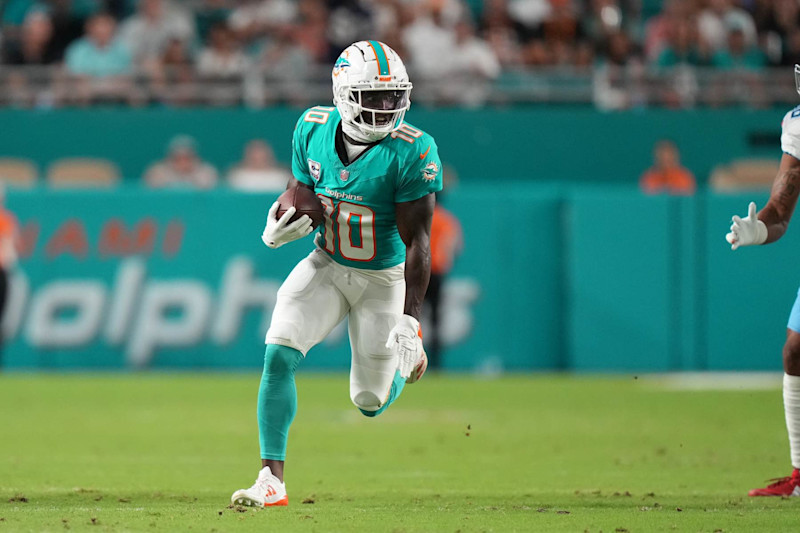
[306,203]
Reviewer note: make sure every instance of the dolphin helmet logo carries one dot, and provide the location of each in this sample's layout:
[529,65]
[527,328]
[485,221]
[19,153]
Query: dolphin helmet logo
[341,63]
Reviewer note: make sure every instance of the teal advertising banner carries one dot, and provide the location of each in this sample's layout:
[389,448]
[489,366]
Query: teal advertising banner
[537,143]
[140,279]
[595,278]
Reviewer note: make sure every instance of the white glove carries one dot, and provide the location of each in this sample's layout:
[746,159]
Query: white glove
[748,230]
[279,232]
[406,343]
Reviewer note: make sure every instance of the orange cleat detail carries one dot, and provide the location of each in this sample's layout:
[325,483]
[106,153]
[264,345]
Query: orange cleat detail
[280,503]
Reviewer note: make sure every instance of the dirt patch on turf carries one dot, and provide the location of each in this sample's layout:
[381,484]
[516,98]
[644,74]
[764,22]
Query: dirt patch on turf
[18,498]
[236,508]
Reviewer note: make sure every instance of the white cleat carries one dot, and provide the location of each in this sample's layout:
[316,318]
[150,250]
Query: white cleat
[267,491]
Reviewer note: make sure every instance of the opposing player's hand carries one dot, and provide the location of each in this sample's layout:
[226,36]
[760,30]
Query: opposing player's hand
[280,231]
[406,343]
[747,231]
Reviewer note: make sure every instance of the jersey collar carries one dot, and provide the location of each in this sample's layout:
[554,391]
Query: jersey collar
[341,150]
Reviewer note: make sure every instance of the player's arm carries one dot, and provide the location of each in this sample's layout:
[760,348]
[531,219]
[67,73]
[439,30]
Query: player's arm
[778,211]
[414,203]
[414,225]
[280,231]
[770,223]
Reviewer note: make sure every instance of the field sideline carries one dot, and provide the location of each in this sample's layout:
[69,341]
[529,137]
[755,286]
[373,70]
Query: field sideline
[163,452]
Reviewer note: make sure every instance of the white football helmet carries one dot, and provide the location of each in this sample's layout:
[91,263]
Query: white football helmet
[371,90]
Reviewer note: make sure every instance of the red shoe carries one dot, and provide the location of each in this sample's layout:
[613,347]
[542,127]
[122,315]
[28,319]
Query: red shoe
[783,486]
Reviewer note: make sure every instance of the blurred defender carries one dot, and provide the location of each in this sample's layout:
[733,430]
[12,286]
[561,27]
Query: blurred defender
[376,177]
[767,226]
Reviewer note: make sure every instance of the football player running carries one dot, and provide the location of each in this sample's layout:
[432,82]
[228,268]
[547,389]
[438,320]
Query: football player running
[376,176]
[765,226]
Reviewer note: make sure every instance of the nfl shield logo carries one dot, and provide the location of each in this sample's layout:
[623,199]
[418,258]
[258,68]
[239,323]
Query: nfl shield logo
[344,174]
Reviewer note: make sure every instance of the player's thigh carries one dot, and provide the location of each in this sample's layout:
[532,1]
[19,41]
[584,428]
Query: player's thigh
[370,321]
[309,306]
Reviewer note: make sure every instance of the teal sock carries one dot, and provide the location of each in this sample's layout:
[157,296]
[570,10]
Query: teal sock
[277,400]
[397,387]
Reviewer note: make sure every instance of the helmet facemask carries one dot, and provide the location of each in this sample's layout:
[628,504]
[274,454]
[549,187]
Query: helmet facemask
[375,112]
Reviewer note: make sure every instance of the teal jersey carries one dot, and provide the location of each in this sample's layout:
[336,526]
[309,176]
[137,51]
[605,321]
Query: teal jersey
[360,227]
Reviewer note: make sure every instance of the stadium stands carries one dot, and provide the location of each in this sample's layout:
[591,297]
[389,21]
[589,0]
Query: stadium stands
[82,172]
[18,172]
[616,54]
[744,175]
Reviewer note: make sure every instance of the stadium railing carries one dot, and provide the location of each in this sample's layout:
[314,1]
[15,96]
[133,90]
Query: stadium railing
[606,87]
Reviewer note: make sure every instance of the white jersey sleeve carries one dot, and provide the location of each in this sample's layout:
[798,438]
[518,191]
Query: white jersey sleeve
[790,134]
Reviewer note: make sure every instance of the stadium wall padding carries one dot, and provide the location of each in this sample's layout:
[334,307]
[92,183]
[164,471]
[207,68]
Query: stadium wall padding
[590,278]
[563,144]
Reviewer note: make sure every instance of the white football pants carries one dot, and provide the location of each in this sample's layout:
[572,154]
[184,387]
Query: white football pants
[319,293]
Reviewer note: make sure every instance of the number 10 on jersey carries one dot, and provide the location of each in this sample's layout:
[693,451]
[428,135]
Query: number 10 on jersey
[350,228]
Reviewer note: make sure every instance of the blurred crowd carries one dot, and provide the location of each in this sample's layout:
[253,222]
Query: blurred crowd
[183,167]
[103,44]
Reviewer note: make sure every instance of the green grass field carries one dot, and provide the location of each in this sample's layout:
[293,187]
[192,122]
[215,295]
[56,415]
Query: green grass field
[541,453]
